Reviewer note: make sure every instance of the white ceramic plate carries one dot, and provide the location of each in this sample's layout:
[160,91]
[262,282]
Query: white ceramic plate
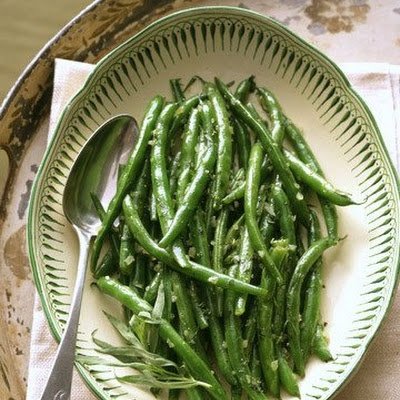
[360,273]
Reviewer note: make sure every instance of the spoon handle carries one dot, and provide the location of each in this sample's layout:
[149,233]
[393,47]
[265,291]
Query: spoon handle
[58,385]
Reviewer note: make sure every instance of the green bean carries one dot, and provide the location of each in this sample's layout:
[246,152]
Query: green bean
[151,290]
[192,195]
[129,175]
[167,283]
[235,351]
[266,343]
[113,234]
[232,235]
[306,155]
[107,266]
[182,113]
[287,377]
[283,210]
[237,193]
[224,157]
[273,151]
[250,206]
[288,231]
[244,88]
[271,105]
[197,306]
[140,194]
[240,131]
[320,345]
[138,278]
[249,333]
[194,270]
[187,323]
[245,269]
[242,138]
[188,147]
[153,207]
[317,183]
[312,300]
[312,254]
[255,369]
[197,367]
[200,240]
[219,240]
[208,126]
[126,252]
[267,228]
[173,176]
[176,89]
[218,252]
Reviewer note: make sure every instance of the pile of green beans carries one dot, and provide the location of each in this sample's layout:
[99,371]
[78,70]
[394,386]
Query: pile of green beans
[215,229]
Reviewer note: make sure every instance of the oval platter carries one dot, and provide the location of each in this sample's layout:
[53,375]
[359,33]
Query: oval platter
[360,275]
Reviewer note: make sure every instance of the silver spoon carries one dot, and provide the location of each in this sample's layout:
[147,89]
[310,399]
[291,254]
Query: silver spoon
[94,171]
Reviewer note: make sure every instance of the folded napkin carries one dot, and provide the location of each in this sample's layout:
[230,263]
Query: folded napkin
[379,85]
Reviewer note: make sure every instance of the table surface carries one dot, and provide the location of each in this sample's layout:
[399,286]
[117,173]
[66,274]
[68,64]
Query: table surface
[346,30]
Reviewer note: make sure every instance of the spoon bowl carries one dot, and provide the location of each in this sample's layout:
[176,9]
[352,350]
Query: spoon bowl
[95,171]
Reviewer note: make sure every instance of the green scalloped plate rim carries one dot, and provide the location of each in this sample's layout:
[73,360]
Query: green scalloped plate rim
[245,12]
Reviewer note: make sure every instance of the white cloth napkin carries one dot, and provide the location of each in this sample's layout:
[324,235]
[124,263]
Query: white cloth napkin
[379,85]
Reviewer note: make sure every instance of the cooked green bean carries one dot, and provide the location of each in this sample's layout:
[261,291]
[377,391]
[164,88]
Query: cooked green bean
[107,266]
[182,113]
[245,269]
[218,252]
[187,324]
[250,206]
[126,252]
[197,306]
[320,345]
[235,351]
[151,290]
[224,157]
[273,151]
[113,234]
[271,105]
[237,193]
[131,171]
[306,155]
[287,228]
[200,241]
[266,343]
[242,139]
[312,300]
[189,142]
[312,254]
[244,88]
[176,89]
[317,183]
[287,377]
[174,173]
[232,235]
[249,333]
